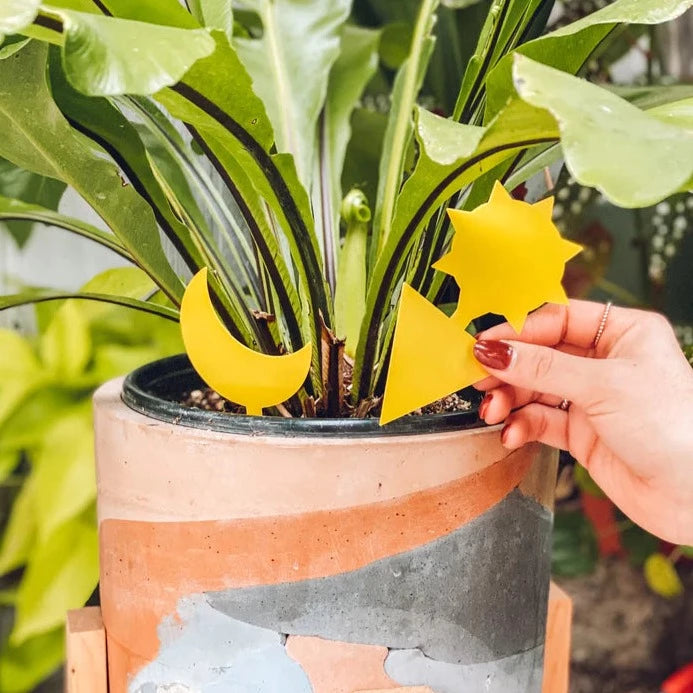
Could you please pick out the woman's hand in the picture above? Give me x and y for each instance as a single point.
(630, 422)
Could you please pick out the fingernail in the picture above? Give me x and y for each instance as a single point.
(484, 406)
(498, 355)
(504, 434)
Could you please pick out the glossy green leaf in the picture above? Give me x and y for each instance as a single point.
(458, 4)
(65, 154)
(298, 39)
(165, 12)
(65, 347)
(60, 575)
(214, 14)
(661, 576)
(105, 56)
(634, 158)
(11, 45)
(507, 24)
(400, 125)
(574, 550)
(102, 121)
(23, 667)
(26, 187)
(650, 96)
(13, 210)
(227, 251)
(687, 551)
(356, 64)
(678, 113)
(216, 98)
(287, 304)
(63, 476)
(14, 300)
(450, 156)
(569, 48)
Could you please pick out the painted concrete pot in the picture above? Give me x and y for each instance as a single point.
(301, 556)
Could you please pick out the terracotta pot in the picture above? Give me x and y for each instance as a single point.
(295, 555)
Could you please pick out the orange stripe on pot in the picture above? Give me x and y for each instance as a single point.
(146, 567)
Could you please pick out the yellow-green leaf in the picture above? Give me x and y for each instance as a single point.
(17, 357)
(661, 576)
(18, 537)
(65, 346)
(23, 667)
(8, 462)
(61, 574)
(64, 476)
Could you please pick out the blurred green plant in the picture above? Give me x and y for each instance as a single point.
(574, 551)
(48, 550)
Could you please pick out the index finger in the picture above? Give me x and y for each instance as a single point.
(553, 324)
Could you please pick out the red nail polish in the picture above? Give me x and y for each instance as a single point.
(493, 354)
(504, 434)
(484, 405)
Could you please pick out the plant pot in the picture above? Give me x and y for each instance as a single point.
(265, 554)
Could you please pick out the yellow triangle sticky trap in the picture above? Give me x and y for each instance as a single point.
(240, 374)
(431, 358)
(507, 257)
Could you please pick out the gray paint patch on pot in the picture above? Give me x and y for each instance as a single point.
(207, 652)
(475, 595)
(520, 672)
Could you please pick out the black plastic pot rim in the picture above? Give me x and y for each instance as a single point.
(154, 389)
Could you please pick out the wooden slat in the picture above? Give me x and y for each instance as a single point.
(557, 652)
(85, 669)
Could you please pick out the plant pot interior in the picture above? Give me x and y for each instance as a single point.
(157, 388)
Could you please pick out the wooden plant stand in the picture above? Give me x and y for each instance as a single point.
(85, 670)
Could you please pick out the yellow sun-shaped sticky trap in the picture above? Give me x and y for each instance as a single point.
(507, 257)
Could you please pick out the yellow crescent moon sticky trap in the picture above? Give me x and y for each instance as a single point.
(507, 257)
(236, 372)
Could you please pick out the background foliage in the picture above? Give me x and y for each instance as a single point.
(48, 549)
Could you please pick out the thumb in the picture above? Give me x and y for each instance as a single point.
(541, 369)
